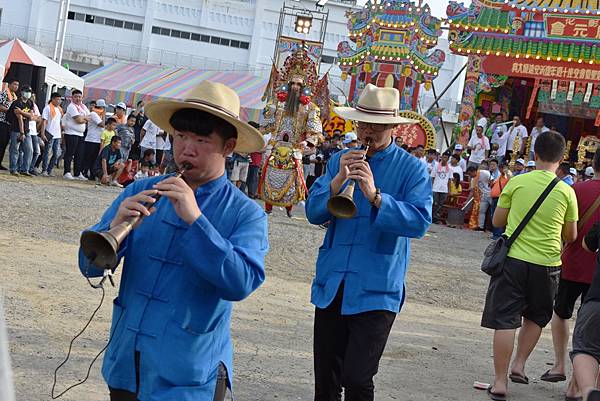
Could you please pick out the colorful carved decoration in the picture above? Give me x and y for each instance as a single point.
(585, 150)
(468, 100)
(392, 43)
(420, 133)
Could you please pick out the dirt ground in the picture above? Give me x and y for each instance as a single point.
(435, 352)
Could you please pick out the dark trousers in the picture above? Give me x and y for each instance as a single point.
(72, 154)
(439, 198)
(122, 395)
(347, 350)
(90, 154)
(252, 180)
(4, 139)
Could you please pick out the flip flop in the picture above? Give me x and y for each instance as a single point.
(573, 398)
(496, 396)
(518, 378)
(553, 377)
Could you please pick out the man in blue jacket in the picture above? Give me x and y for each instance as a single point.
(359, 283)
(197, 249)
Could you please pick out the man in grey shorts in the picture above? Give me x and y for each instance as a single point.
(586, 337)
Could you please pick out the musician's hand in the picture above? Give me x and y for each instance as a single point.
(347, 159)
(361, 172)
(182, 197)
(134, 207)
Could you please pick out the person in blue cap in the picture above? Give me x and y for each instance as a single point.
(359, 284)
(198, 249)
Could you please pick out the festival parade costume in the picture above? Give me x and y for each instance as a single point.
(282, 182)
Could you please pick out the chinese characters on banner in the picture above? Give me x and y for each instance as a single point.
(580, 27)
(541, 69)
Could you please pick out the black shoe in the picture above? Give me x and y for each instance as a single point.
(268, 211)
(33, 172)
(14, 173)
(25, 173)
(289, 213)
(2, 168)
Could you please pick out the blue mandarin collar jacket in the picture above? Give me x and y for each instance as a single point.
(370, 251)
(177, 287)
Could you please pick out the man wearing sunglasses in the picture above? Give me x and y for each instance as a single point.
(359, 284)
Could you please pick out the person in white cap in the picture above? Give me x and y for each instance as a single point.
(120, 114)
(530, 166)
(350, 140)
(564, 173)
(573, 173)
(519, 167)
(359, 282)
(589, 173)
(462, 162)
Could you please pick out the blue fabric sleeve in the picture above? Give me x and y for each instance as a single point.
(411, 216)
(235, 266)
(320, 192)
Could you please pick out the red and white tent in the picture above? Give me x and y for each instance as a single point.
(17, 51)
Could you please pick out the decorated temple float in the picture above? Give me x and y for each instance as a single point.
(392, 46)
(532, 58)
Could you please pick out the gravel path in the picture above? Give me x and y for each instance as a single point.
(435, 352)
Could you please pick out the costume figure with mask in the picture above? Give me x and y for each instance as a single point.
(290, 119)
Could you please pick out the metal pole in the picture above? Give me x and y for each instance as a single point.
(61, 30)
(446, 89)
(441, 117)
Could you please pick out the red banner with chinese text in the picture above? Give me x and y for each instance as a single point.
(540, 69)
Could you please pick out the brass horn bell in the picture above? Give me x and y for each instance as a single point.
(101, 247)
(342, 205)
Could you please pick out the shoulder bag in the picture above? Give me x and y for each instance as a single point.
(496, 252)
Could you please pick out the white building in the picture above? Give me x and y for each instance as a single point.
(206, 34)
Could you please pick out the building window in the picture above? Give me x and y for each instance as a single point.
(109, 21)
(174, 33)
(534, 29)
(71, 15)
(94, 19)
(138, 27)
(128, 25)
(99, 20)
(89, 18)
(328, 59)
(118, 23)
(79, 17)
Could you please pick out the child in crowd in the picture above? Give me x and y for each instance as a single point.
(455, 189)
(144, 171)
(109, 132)
(127, 135)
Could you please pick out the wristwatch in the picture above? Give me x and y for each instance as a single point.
(376, 197)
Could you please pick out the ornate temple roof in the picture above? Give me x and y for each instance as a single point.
(395, 32)
(528, 29)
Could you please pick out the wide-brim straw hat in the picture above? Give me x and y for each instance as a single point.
(377, 106)
(216, 99)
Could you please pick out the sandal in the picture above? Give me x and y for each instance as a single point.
(518, 378)
(553, 377)
(495, 396)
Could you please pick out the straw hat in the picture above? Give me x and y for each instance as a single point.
(376, 105)
(216, 99)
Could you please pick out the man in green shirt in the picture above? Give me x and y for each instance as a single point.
(522, 295)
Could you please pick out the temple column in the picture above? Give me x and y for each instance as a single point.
(467, 106)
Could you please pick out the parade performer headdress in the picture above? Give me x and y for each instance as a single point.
(216, 99)
(300, 65)
(376, 105)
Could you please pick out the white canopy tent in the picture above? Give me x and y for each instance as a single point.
(17, 51)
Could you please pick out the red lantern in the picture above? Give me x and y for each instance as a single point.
(304, 99)
(282, 96)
